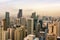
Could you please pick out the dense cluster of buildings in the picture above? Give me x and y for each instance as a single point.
(29, 28)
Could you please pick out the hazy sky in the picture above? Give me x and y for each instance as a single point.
(42, 7)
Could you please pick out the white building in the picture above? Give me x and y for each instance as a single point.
(30, 37)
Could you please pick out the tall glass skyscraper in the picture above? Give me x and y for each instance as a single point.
(19, 13)
(35, 17)
(7, 18)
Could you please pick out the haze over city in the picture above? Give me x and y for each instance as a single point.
(29, 19)
(42, 7)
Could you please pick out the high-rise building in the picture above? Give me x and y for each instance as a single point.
(30, 26)
(5, 35)
(37, 29)
(19, 13)
(17, 35)
(20, 33)
(41, 22)
(58, 29)
(18, 23)
(35, 18)
(33, 15)
(11, 33)
(7, 18)
(46, 31)
(23, 21)
(1, 29)
(52, 27)
(4, 24)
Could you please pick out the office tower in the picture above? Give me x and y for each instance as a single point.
(58, 29)
(37, 29)
(35, 18)
(17, 22)
(11, 33)
(23, 21)
(20, 33)
(29, 26)
(46, 31)
(52, 27)
(33, 15)
(7, 18)
(12, 22)
(16, 35)
(1, 29)
(47, 26)
(55, 29)
(35, 22)
(41, 22)
(30, 37)
(4, 35)
(19, 13)
(4, 24)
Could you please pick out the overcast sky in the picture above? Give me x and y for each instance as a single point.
(46, 7)
(29, 3)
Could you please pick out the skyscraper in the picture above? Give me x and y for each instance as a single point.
(4, 24)
(5, 35)
(19, 13)
(11, 33)
(58, 29)
(23, 21)
(33, 15)
(52, 27)
(7, 18)
(41, 22)
(35, 18)
(1, 29)
(20, 33)
(30, 26)
(37, 29)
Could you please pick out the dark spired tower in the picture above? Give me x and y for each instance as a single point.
(19, 13)
(7, 19)
(35, 17)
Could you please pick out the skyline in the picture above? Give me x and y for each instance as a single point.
(42, 7)
(29, 19)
